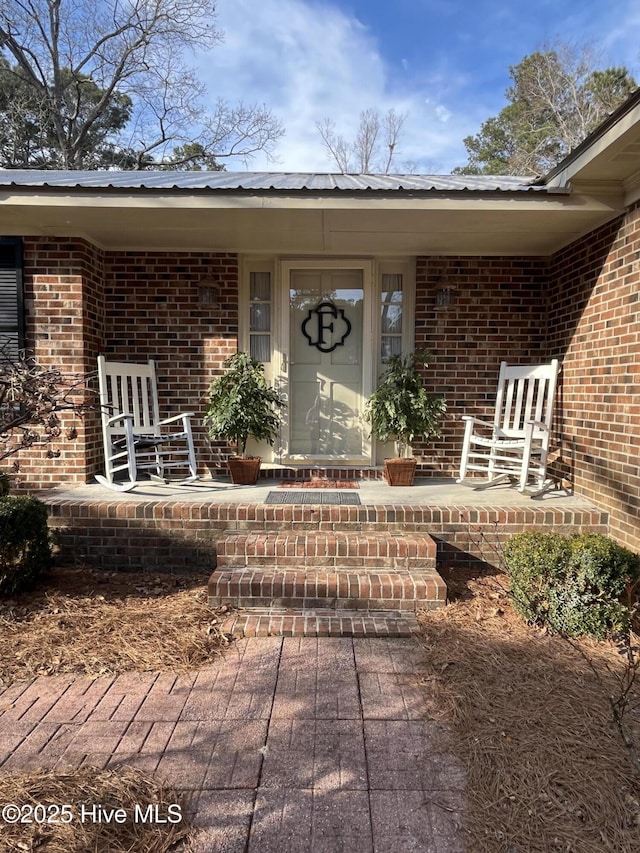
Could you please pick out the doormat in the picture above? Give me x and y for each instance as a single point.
(318, 483)
(310, 496)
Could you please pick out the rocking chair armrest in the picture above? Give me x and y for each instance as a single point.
(473, 419)
(538, 424)
(175, 418)
(123, 416)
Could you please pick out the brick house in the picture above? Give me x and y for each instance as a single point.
(187, 267)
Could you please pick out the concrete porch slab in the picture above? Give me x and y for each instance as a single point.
(426, 491)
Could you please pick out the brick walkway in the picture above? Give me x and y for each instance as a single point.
(288, 745)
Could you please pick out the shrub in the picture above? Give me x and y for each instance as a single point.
(400, 408)
(242, 404)
(25, 549)
(573, 585)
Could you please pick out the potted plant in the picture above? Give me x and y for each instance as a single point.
(400, 409)
(241, 404)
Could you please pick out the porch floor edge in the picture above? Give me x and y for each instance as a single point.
(174, 528)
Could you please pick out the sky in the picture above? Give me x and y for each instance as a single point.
(445, 63)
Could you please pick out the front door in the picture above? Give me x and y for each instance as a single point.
(327, 365)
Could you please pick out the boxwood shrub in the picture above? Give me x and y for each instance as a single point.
(573, 585)
(25, 547)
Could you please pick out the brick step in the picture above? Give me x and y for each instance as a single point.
(339, 590)
(282, 622)
(327, 550)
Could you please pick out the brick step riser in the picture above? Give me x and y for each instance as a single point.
(295, 475)
(320, 624)
(305, 589)
(381, 605)
(305, 585)
(346, 550)
(326, 561)
(345, 583)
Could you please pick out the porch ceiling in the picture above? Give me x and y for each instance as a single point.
(310, 223)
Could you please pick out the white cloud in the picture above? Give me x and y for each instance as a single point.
(310, 60)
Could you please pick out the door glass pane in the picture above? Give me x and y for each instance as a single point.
(260, 347)
(260, 287)
(260, 316)
(392, 287)
(326, 363)
(390, 345)
(391, 316)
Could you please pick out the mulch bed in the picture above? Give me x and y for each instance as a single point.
(89, 622)
(546, 769)
(155, 828)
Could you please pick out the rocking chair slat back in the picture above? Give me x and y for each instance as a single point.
(524, 394)
(135, 438)
(517, 443)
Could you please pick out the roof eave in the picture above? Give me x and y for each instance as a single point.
(613, 126)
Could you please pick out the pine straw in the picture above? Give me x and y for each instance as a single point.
(117, 788)
(546, 769)
(91, 623)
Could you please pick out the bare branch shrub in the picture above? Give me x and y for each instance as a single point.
(32, 399)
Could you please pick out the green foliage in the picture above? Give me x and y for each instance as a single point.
(30, 132)
(25, 549)
(556, 100)
(573, 585)
(400, 408)
(241, 404)
(192, 157)
(5, 484)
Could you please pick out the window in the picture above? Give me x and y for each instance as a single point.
(391, 320)
(11, 295)
(260, 304)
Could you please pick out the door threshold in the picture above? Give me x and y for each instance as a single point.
(325, 471)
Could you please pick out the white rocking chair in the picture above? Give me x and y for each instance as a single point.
(516, 445)
(135, 439)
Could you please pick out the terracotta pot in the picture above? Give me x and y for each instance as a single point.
(244, 470)
(400, 472)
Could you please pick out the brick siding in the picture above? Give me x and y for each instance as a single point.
(594, 327)
(154, 310)
(497, 313)
(81, 302)
(64, 306)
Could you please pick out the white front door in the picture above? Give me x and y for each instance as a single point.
(328, 363)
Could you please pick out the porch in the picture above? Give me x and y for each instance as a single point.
(346, 561)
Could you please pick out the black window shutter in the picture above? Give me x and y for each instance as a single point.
(12, 335)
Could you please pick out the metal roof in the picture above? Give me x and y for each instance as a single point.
(264, 181)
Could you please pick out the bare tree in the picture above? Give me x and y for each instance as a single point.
(337, 147)
(373, 147)
(557, 98)
(32, 398)
(111, 73)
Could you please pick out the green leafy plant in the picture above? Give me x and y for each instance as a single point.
(574, 585)
(25, 548)
(242, 404)
(400, 408)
